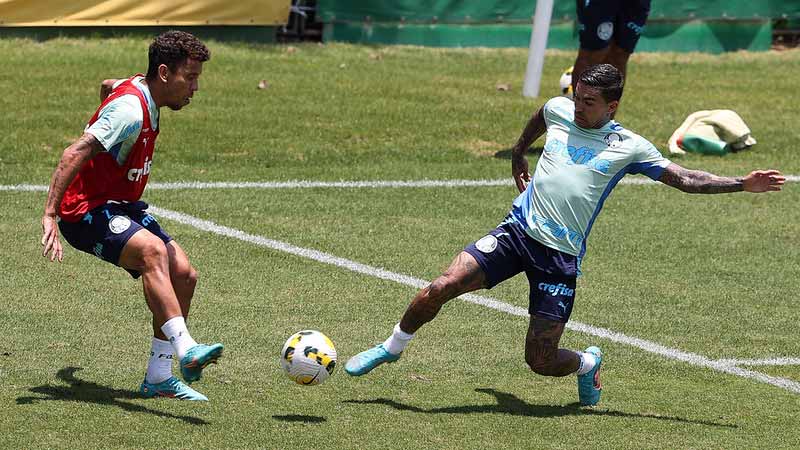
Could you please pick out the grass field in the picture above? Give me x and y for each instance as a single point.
(706, 277)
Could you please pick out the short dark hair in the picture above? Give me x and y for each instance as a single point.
(606, 78)
(173, 48)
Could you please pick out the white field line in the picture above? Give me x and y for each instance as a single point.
(301, 184)
(761, 362)
(649, 346)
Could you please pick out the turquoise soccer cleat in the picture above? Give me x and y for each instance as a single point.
(364, 362)
(172, 388)
(589, 386)
(197, 358)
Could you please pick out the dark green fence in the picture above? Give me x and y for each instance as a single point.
(710, 26)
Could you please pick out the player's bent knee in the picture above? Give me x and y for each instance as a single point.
(190, 278)
(154, 253)
(441, 289)
(185, 275)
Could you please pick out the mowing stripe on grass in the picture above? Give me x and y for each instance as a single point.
(724, 366)
(301, 184)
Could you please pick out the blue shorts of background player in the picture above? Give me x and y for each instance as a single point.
(608, 31)
(104, 231)
(508, 250)
(605, 22)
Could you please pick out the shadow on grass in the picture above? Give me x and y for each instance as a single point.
(506, 153)
(88, 392)
(300, 418)
(510, 404)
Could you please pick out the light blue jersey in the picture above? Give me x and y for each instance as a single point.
(577, 170)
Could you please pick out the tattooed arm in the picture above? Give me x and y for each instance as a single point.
(73, 158)
(699, 182)
(519, 164)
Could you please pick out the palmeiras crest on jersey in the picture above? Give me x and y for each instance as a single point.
(119, 224)
(486, 244)
(613, 140)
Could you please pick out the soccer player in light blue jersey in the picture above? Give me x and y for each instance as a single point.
(585, 155)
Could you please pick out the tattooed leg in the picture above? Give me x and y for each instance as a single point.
(464, 275)
(541, 349)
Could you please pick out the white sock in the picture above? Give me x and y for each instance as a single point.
(588, 362)
(159, 366)
(398, 341)
(178, 335)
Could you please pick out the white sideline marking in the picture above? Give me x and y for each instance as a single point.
(23, 187)
(649, 346)
(761, 362)
(301, 184)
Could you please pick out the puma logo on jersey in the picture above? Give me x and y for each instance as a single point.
(136, 174)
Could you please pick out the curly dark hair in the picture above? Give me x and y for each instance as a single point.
(606, 78)
(173, 48)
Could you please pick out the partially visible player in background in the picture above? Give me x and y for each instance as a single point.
(608, 31)
(94, 201)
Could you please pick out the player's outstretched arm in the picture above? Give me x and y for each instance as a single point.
(106, 87)
(519, 164)
(73, 158)
(699, 182)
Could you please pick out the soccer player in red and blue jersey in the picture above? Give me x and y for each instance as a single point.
(94, 202)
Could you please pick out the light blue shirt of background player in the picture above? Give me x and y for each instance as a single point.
(575, 174)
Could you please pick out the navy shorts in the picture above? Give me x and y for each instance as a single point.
(508, 250)
(105, 230)
(600, 21)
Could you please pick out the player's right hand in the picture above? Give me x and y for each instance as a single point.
(519, 171)
(763, 181)
(50, 240)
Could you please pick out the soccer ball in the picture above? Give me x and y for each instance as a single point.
(565, 83)
(308, 357)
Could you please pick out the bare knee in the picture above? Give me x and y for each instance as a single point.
(618, 57)
(431, 299)
(442, 289)
(437, 288)
(187, 277)
(154, 255)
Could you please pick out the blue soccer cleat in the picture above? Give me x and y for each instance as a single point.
(589, 387)
(197, 358)
(172, 388)
(364, 362)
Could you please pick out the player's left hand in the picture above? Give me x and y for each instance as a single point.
(763, 181)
